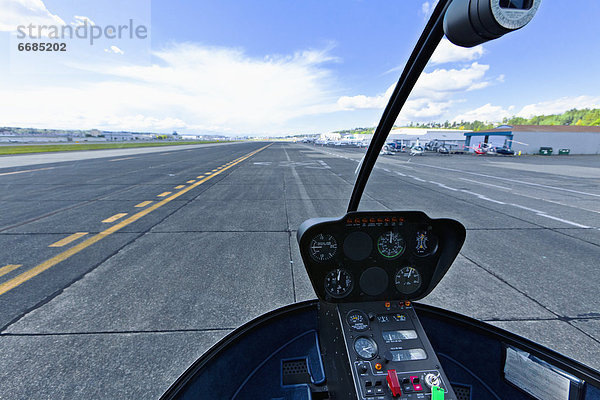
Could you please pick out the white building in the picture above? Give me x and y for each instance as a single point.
(528, 139)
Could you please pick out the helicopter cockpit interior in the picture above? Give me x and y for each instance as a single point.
(365, 337)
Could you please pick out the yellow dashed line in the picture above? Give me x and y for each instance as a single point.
(164, 194)
(122, 159)
(38, 269)
(9, 268)
(214, 170)
(68, 239)
(179, 186)
(114, 218)
(28, 170)
(143, 204)
(191, 181)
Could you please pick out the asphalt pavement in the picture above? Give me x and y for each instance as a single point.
(116, 273)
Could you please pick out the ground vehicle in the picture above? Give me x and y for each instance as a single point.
(505, 151)
(362, 338)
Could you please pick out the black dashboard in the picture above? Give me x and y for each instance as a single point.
(378, 255)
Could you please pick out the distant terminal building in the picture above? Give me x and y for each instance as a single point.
(528, 139)
(454, 139)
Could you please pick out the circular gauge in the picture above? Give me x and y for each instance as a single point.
(425, 243)
(338, 283)
(323, 247)
(358, 320)
(365, 347)
(391, 245)
(408, 280)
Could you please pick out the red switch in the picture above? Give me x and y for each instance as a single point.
(392, 380)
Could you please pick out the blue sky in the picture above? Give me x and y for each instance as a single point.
(283, 66)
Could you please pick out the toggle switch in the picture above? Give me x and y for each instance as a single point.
(392, 380)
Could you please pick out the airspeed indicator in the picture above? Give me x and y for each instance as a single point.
(323, 247)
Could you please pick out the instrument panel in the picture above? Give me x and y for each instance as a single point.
(378, 255)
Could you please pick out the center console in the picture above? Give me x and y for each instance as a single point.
(385, 352)
(367, 268)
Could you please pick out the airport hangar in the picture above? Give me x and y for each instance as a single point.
(528, 139)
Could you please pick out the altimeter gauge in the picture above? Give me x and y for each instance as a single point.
(338, 283)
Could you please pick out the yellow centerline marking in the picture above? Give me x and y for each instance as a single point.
(38, 269)
(121, 159)
(179, 186)
(69, 239)
(9, 268)
(27, 170)
(164, 194)
(191, 181)
(114, 218)
(143, 204)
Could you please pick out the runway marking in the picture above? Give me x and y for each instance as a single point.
(444, 186)
(400, 173)
(114, 218)
(386, 170)
(143, 204)
(9, 268)
(179, 187)
(513, 180)
(563, 220)
(527, 208)
(418, 179)
(27, 170)
(38, 269)
(190, 181)
(485, 184)
(214, 170)
(121, 159)
(68, 239)
(163, 194)
(482, 197)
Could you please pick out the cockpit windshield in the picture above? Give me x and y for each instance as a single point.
(157, 159)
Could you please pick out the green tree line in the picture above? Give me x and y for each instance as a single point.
(583, 117)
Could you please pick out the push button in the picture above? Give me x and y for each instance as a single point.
(369, 392)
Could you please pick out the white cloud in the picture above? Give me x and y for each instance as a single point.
(427, 7)
(192, 88)
(81, 21)
(485, 113)
(494, 113)
(447, 52)
(432, 95)
(115, 50)
(559, 105)
(25, 12)
(440, 82)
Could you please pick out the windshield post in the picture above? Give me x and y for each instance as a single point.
(428, 42)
